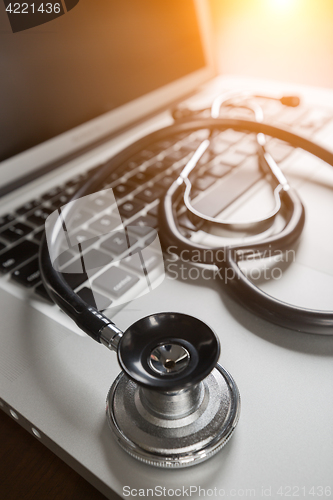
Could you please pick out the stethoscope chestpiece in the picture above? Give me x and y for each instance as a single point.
(173, 405)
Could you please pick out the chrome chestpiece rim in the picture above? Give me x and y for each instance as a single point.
(149, 346)
(176, 407)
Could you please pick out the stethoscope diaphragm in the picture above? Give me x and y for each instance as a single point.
(175, 406)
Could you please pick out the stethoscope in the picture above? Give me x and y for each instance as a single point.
(173, 405)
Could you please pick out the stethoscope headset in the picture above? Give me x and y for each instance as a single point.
(173, 405)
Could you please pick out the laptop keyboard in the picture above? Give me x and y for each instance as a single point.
(230, 167)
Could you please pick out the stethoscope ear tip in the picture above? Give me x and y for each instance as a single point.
(290, 100)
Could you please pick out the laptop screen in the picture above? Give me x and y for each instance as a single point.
(95, 58)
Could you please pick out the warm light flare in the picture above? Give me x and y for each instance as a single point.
(284, 6)
(288, 40)
(281, 3)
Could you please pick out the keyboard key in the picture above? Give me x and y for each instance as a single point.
(158, 167)
(151, 194)
(16, 232)
(52, 193)
(39, 216)
(204, 183)
(231, 158)
(231, 136)
(113, 177)
(226, 192)
(63, 259)
(131, 165)
(119, 242)
(130, 208)
(6, 219)
(2, 246)
(146, 154)
(156, 148)
(218, 146)
(104, 224)
(141, 177)
(74, 279)
(146, 261)
(95, 259)
(178, 170)
(84, 237)
(143, 225)
(151, 238)
(166, 182)
(41, 291)
(60, 200)
(177, 155)
(291, 116)
(17, 255)
(78, 218)
(27, 207)
(98, 204)
(167, 143)
(139, 159)
(153, 212)
(116, 281)
(190, 147)
(38, 235)
(279, 150)
(206, 158)
(70, 190)
(315, 119)
(77, 180)
(270, 108)
(28, 275)
(94, 299)
(122, 190)
(218, 170)
(247, 147)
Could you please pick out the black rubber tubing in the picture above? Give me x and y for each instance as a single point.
(286, 315)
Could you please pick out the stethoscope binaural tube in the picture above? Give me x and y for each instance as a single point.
(95, 324)
(242, 289)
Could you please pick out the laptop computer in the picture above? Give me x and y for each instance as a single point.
(76, 91)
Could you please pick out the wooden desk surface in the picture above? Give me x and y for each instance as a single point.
(30, 471)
